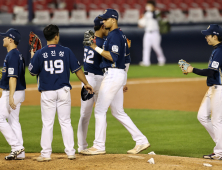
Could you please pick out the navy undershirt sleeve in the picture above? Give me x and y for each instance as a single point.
(204, 72)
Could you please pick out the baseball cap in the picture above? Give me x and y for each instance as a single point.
(98, 21)
(109, 13)
(12, 33)
(213, 29)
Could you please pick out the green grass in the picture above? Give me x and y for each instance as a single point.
(169, 132)
(136, 71)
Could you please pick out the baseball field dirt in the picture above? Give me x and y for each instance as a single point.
(161, 94)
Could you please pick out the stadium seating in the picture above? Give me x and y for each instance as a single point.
(41, 17)
(78, 17)
(60, 17)
(21, 18)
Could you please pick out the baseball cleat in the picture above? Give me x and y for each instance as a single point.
(138, 148)
(42, 159)
(216, 157)
(13, 154)
(92, 151)
(208, 156)
(71, 157)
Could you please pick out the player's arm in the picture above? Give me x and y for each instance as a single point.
(201, 72)
(105, 54)
(34, 64)
(81, 76)
(12, 87)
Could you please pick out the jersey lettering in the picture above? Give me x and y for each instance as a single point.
(58, 64)
(88, 55)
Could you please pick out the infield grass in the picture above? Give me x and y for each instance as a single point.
(136, 71)
(169, 132)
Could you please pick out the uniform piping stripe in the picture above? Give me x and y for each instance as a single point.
(220, 76)
(132, 82)
(76, 69)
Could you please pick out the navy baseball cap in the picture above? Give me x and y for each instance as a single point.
(213, 29)
(98, 21)
(12, 33)
(109, 13)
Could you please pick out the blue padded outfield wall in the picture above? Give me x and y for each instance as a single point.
(183, 42)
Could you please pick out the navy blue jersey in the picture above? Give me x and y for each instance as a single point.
(215, 63)
(14, 66)
(117, 45)
(92, 59)
(53, 64)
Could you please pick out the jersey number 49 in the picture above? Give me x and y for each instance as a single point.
(57, 64)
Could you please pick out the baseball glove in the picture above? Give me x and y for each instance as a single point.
(85, 95)
(0, 74)
(183, 66)
(128, 42)
(89, 38)
(34, 42)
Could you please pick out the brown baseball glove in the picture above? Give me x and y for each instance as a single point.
(183, 66)
(128, 42)
(34, 42)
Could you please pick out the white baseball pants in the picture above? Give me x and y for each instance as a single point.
(11, 130)
(60, 101)
(111, 94)
(152, 40)
(86, 110)
(210, 115)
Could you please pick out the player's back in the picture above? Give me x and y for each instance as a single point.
(54, 63)
(92, 59)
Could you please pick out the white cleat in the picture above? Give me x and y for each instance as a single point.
(143, 64)
(92, 151)
(71, 157)
(138, 148)
(43, 159)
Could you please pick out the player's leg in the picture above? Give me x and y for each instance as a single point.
(118, 112)
(216, 107)
(48, 110)
(146, 49)
(13, 119)
(5, 128)
(204, 114)
(156, 44)
(64, 111)
(85, 114)
(112, 82)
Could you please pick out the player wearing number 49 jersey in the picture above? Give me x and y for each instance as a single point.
(53, 64)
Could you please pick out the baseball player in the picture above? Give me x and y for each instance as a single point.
(115, 51)
(211, 105)
(152, 37)
(94, 75)
(13, 94)
(53, 64)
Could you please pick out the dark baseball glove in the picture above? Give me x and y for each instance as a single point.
(183, 66)
(89, 38)
(34, 42)
(85, 95)
(0, 74)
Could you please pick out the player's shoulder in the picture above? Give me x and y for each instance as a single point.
(115, 34)
(13, 53)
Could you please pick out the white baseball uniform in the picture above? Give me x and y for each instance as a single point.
(151, 39)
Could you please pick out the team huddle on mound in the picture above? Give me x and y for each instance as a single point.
(106, 63)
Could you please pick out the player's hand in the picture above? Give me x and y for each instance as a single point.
(125, 88)
(89, 88)
(11, 102)
(32, 53)
(190, 69)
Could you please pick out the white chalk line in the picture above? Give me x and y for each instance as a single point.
(142, 82)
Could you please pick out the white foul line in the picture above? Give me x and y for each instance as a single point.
(143, 82)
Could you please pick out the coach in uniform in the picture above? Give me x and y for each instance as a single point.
(211, 105)
(114, 51)
(53, 64)
(13, 85)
